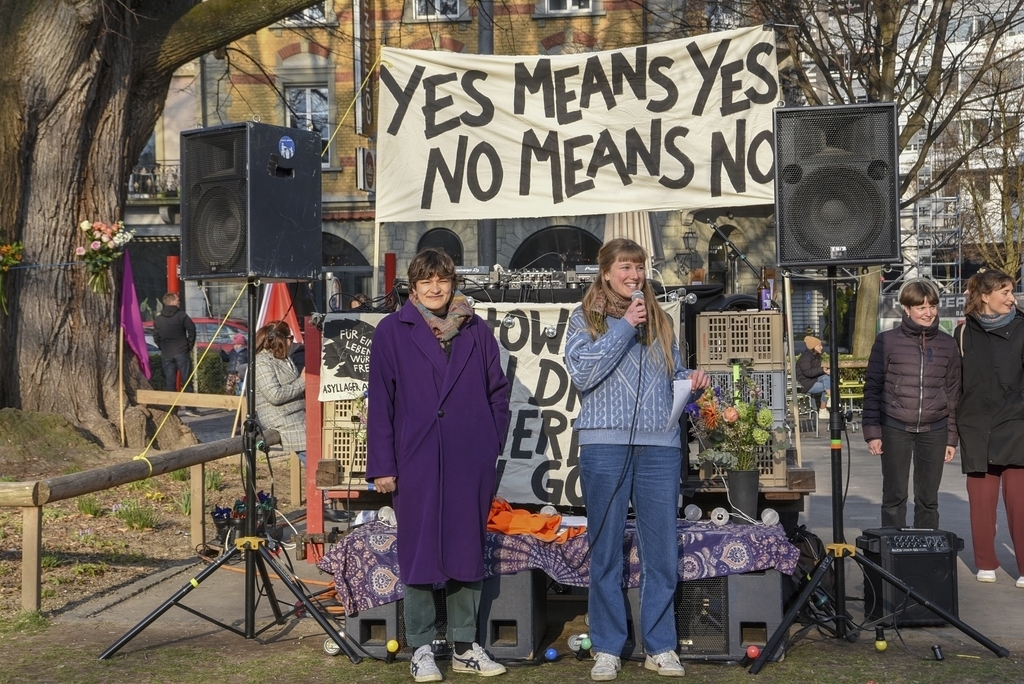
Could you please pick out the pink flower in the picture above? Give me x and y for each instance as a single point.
(79, 251)
(95, 244)
(730, 415)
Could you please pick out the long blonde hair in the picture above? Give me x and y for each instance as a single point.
(659, 325)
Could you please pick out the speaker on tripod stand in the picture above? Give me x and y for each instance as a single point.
(250, 211)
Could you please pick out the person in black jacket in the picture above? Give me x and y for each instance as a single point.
(991, 415)
(175, 334)
(911, 391)
(812, 376)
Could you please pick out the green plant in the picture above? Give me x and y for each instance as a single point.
(179, 475)
(51, 560)
(184, 502)
(211, 375)
(90, 569)
(140, 485)
(136, 516)
(732, 426)
(7, 478)
(213, 481)
(88, 505)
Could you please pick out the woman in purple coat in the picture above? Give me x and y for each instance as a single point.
(437, 423)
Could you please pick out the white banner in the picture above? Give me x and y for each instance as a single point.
(681, 124)
(540, 461)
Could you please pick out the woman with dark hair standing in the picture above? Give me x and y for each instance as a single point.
(911, 391)
(991, 415)
(438, 415)
(622, 357)
(280, 388)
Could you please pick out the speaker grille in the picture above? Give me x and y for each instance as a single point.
(702, 616)
(837, 185)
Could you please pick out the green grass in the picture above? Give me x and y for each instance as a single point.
(25, 622)
(214, 481)
(136, 516)
(184, 502)
(50, 559)
(90, 569)
(89, 505)
(179, 475)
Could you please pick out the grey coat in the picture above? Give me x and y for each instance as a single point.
(280, 400)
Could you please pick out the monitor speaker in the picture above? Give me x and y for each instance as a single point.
(924, 560)
(250, 203)
(837, 185)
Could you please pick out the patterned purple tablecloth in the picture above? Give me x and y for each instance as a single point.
(365, 564)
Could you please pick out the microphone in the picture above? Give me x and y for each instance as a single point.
(641, 330)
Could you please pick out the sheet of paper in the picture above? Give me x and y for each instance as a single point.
(681, 395)
(574, 521)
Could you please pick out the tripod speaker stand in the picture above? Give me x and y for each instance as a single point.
(839, 549)
(252, 548)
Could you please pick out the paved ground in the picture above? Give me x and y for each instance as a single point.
(994, 610)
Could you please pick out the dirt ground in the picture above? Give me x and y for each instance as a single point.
(88, 550)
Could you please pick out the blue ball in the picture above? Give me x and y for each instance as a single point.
(551, 654)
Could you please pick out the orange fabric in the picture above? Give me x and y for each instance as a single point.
(507, 520)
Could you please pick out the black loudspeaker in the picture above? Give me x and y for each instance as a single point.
(250, 203)
(510, 626)
(837, 185)
(924, 560)
(718, 617)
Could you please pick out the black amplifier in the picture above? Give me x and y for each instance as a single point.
(924, 560)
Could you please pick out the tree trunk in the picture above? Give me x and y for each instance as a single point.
(81, 89)
(869, 289)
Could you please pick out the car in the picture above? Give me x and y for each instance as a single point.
(206, 330)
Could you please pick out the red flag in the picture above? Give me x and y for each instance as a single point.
(131, 319)
(277, 306)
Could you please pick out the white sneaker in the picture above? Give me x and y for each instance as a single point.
(823, 414)
(987, 576)
(423, 667)
(606, 668)
(1020, 582)
(666, 664)
(477, 661)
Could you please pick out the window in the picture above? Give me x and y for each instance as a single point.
(445, 240)
(438, 9)
(307, 109)
(315, 14)
(558, 6)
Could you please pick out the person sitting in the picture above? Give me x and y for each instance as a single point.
(280, 388)
(812, 376)
(238, 364)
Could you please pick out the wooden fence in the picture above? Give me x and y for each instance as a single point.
(31, 496)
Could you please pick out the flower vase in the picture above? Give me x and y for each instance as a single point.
(743, 486)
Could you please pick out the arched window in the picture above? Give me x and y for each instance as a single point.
(722, 262)
(349, 273)
(444, 239)
(558, 248)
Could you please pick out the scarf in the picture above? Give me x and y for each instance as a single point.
(445, 327)
(613, 305)
(994, 321)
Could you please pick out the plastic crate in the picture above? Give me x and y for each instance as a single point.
(754, 337)
(771, 387)
(340, 413)
(345, 445)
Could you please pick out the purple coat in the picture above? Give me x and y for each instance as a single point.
(438, 426)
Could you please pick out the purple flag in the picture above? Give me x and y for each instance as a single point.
(131, 318)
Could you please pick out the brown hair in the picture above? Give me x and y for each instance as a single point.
(170, 298)
(659, 326)
(275, 337)
(983, 283)
(917, 291)
(429, 263)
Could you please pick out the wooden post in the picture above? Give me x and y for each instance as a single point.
(296, 481)
(197, 517)
(31, 557)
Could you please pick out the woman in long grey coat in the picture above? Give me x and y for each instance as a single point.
(280, 388)
(437, 417)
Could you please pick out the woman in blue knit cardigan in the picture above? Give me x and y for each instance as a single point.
(622, 357)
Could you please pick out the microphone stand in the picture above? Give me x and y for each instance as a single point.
(732, 245)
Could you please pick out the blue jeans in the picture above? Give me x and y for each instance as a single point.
(612, 475)
(822, 384)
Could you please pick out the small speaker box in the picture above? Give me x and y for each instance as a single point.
(924, 560)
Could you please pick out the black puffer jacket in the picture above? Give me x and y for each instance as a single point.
(991, 411)
(808, 369)
(912, 381)
(174, 332)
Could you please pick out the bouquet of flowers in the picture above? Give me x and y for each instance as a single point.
(11, 255)
(106, 244)
(732, 426)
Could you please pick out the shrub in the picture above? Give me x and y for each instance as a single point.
(136, 516)
(211, 376)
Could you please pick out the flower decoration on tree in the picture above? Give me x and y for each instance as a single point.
(11, 255)
(732, 427)
(106, 243)
(359, 417)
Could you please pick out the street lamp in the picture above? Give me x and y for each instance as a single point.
(685, 259)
